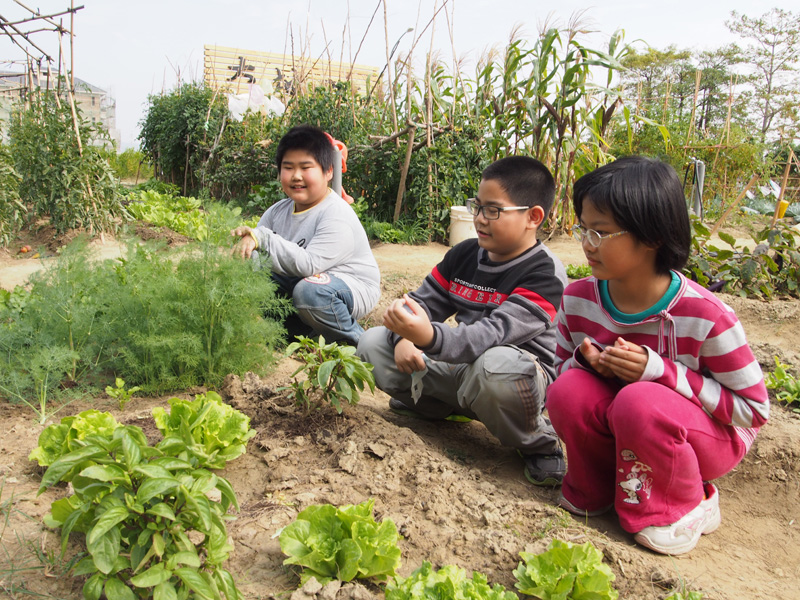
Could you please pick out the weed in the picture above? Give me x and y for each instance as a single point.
(120, 393)
(786, 385)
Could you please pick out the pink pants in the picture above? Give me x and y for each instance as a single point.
(641, 447)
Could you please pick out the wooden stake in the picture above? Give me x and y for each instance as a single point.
(785, 180)
(401, 189)
(733, 205)
(698, 74)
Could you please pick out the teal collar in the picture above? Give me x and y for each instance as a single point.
(627, 318)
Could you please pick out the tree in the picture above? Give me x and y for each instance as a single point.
(774, 53)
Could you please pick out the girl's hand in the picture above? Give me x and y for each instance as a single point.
(625, 360)
(592, 356)
(408, 357)
(408, 320)
(246, 244)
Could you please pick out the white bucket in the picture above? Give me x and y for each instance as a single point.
(461, 225)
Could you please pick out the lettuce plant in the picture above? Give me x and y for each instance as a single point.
(566, 572)
(341, 543)
(70, 433)
(205, 431)
(448, 583)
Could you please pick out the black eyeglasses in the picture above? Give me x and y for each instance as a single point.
(490, 213)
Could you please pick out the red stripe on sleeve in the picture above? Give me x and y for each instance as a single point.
(440, 279)
(539, 301)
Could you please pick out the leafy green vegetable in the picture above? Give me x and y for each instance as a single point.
(341, 543)
(137, 506)
(566, 571)
(211, 431)
(578, 271)
(57, 440)
(448, 583)
(786, 386)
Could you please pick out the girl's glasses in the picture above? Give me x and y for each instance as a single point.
(590, 235)
(490, 213)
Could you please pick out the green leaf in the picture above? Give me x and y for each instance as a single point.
(67, 462)
(226, 584)
(195, 582)
(116, 590)
(165, 591)
(188, 558)
(152, 577)
(107, 521)
(105, 550)
(93, 588)
(157, 486)
(162, 510)
(153, 471)
(106, 473)
(324, 372)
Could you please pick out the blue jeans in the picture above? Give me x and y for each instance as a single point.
(324, 305)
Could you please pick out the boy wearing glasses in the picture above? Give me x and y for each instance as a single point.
(504, 289)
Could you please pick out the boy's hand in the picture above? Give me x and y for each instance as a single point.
(625, 359)
(408, 320)
(246, 244)
(592, 356)
(408, 357)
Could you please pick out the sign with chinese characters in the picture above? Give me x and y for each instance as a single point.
(230, 70)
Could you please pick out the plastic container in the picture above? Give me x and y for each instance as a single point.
(782, 206)
(461, 225)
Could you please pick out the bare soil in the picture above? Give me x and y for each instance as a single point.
(456, 495)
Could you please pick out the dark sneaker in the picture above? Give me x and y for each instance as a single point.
(545, 469)
(396, 406)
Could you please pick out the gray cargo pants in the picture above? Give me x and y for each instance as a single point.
(504, 389)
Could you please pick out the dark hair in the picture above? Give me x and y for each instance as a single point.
(526, 181)
(645, 197)
(310, 139)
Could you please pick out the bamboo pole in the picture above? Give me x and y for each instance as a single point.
(733, 205)
(697, 75)
(71, 44)
(784, 182)
(401, 189)
(726, 130)
(429, 126)
(389, 79)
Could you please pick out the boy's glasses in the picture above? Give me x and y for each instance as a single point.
(590, 235)
(490, 213)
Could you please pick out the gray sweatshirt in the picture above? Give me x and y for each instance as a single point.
(327, 238)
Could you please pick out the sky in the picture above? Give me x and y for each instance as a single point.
(134, 49)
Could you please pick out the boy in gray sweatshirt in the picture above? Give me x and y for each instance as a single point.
(317, 247)
(504, 289)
